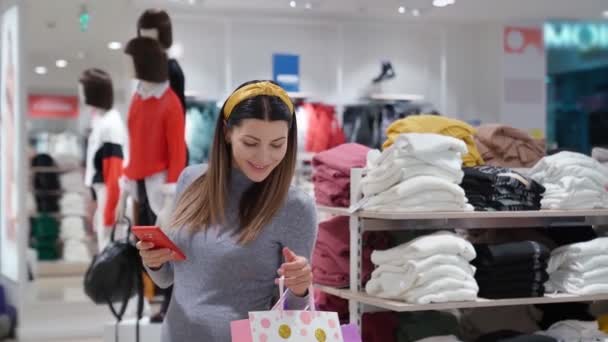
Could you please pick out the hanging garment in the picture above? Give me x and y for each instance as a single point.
(201, 118)
(362, 125)
(438, 125)
(324, 131)
(506, 146)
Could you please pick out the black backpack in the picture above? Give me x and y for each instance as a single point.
(115, 276)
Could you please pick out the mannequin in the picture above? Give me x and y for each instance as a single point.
(105, 151)
(156, 24)
(157, 147)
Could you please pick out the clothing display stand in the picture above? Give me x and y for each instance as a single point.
(362, 221)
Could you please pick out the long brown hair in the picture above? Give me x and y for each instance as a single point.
(204, 202)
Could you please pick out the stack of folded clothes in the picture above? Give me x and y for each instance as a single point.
(331, 255)
(418, 172)
(73, 235)
(331, 175)
(506, 146)
(437, 125)
(580, 268)
(511, 270)
(429, 269)
(491, 188)
(73, 204)
(572, 181)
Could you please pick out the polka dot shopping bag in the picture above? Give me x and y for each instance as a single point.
(278, 325)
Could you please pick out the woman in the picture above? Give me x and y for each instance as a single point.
(239, 222)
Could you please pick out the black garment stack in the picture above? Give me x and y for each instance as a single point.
(511, 270)
(491, 188)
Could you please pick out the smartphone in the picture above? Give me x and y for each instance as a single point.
(160, 240)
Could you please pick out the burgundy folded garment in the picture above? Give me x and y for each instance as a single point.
(332, 188)
(329, 303)
(327, 173)
(343, 158)
(380, 327)
(324, 198)
(331, 255)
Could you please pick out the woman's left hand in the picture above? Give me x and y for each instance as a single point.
(297, 273)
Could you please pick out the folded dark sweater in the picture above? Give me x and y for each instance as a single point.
(513, 336)
(506, 278)
(519, 267)
(501, 176)
(509, 253)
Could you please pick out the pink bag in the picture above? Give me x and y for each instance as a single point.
(278, 325)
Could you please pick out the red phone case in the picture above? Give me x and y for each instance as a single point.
(158, 238)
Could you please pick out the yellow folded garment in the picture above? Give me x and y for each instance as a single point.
(602, 323)
(438, 125)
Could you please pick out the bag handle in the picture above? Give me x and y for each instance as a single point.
(129, 225)
(280, 305)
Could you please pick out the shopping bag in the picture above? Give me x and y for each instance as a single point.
(350, 333)
(279, 325)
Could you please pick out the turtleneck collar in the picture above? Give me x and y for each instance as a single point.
(239, 182)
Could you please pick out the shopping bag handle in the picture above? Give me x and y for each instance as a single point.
(280, 305)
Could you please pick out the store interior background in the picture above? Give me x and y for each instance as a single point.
(454, 57)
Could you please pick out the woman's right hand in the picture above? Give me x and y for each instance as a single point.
(154, 258)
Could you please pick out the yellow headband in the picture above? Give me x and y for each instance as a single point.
(253, 90)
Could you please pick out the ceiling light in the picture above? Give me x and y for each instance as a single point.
(401, 9)
(416, 12)
(192, 2)
(40, 70)
(292, 4)
(80, 55)
(114, 45)
(605, 14)
(308, 5)
(443, 3)
(61, 63)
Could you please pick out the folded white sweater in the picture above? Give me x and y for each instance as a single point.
(73, 228)
(459, 295)
(395, 285)
(572, 253)
(420, 294)
(428, 201)
(571, 330)
(550, 169)
(395, 171)
(413, 187)
(567, 286)
(581, 278)
(427, 144)
(583, 264)
(425, 246)
(413, 267)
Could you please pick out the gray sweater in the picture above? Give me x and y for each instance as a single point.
(222, 281)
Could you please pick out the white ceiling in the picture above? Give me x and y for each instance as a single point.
(52, 29)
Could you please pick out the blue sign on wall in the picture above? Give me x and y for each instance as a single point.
(576, 35)
(286, 71)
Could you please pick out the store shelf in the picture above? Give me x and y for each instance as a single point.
(333, 210)
(387, 220)
(398, 306)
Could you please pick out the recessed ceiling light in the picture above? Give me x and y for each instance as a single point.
(416, 12)
(80, 55)
(192, 2)
(61, 63)
(401, 9)
(292, 4)
(605, 14)
(443, 3)
(40, 70)
(114, 45)
(308, 5)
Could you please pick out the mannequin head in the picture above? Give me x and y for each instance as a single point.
(156, 24)
(96, 89)
(149, 59)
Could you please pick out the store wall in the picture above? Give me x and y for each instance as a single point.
(339, 58)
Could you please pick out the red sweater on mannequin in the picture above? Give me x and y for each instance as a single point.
(157, 137)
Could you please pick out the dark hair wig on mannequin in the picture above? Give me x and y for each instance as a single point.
(98, 90)
(149, 58)
(159, 20)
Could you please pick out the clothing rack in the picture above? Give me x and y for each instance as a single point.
(365, 220)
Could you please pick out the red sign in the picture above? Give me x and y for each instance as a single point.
(52, 106)
(518, 39)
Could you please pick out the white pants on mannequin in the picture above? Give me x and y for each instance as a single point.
(102, 232)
